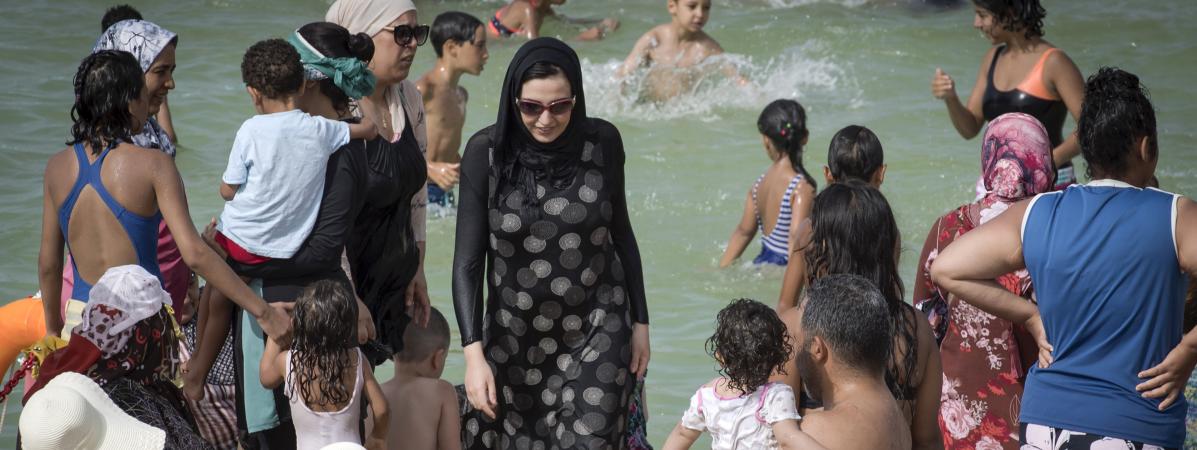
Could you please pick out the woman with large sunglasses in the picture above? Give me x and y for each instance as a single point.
(543, 221)
(386, 246)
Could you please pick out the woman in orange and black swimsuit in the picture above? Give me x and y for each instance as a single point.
(1021, 73)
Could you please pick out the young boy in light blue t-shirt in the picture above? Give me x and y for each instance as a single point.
(275, 176)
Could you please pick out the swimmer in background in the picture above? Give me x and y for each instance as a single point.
(524, 18)
(679, 44)
(1020, 73)
(459, 40)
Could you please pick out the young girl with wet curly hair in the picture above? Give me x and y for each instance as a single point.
(324, 372)
(741, 407)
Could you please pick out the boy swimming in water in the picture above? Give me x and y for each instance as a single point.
(524, 18)
(679, 44)
(459, 40)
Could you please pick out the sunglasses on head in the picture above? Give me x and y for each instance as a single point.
(535, 108)
(405, 34)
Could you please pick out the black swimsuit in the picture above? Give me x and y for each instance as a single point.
(1050, 112)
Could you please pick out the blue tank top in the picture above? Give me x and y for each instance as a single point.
(142, 231)
(1111, 294)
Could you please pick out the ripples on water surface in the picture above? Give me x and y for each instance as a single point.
(690, 161)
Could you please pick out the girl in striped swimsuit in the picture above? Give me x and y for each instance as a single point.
(783, 194)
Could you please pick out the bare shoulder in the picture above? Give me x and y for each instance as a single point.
(445, 391)
(59, 162)
(710, 45)
(425, 85)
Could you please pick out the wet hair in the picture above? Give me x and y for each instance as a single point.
(854, 153)
(784, 123)
(1115, 113)
(106, 82)
(325, 324)
(118, 13)
(750, 343)
(854, 232)
(420, 342)
(272, 67)
(334, 41)
(852, 316)
(1017, 15)
(453, 26)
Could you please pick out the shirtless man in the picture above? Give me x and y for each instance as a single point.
(843, 345)
(460, 43)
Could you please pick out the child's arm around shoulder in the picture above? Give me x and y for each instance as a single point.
(271, 371)
(363, 130)
(790, 436)
(377, 440)
(448, 429)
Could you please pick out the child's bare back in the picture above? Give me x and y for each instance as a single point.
(424, 414)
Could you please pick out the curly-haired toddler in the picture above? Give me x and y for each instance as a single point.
(741, 407)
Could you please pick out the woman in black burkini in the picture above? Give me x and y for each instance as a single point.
(365, 214)
(565, 334)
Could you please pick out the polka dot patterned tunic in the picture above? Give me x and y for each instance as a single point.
(565, 288)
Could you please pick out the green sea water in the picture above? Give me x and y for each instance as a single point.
(690, 161)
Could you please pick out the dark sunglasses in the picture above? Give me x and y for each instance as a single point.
(535, 108)
(405, 34)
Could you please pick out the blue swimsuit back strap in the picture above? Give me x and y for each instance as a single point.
(142, 231)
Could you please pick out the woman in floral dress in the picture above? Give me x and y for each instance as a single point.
(986, 359)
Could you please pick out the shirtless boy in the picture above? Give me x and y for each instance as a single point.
(679, 44)
(460, 43)
(524, 18)
(843, 345)
(424, 412)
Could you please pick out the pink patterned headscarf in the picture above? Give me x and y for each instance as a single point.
(1016, 159)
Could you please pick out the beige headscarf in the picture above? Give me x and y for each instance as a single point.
(403, 99)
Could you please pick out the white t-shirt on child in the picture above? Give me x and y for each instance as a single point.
(740, 422)
(279, 160)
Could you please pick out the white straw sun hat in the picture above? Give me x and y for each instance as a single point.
(73, 412)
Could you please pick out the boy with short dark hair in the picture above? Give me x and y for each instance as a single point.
(274, 180)
(424, 411)
(118, 13)
(459, 40)
(679, 44)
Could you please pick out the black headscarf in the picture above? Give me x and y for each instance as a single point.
(520, 160)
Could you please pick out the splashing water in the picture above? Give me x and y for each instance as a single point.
(722, 85)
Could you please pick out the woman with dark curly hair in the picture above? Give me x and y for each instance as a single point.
(741, 406)
(1021, 73)
(853, 232)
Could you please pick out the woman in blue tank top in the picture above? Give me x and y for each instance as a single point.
(108, 220)
(1108, 260)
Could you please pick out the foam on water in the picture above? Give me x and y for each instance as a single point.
(807, 72)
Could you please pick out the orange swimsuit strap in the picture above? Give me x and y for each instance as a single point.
(1033, 84)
